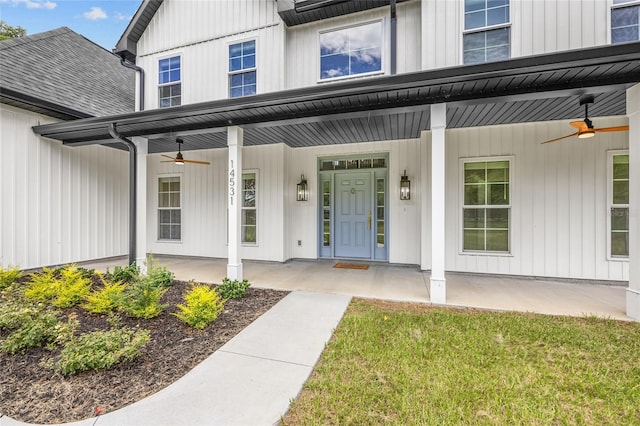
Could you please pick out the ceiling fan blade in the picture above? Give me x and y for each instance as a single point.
(166, 156)
(562, 137)
(613, 129)
(580, 125)
(196, 162)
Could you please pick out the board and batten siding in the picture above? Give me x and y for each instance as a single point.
(185, 28)
(403, 216)
(58, 204)
(303, 51)
(559, 200)
(204, 192)
(537, 27)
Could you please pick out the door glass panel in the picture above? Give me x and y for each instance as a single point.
(380, 213)
(326, 213)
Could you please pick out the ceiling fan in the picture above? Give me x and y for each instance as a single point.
(179, 160)
(585, 127)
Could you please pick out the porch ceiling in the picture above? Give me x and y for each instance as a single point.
(536, 88)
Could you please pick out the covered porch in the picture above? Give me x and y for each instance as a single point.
(408, 284)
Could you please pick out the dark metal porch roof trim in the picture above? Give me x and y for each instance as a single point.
(593, 70)
(297, 12)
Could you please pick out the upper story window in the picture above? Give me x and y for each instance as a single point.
(169, 82)
(242, 69)
(487, 34)
(625, 17)
(351, 51)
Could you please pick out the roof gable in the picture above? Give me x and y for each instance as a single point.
(62, 70)
(127, 45)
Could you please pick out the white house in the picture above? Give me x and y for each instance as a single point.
(362, 97)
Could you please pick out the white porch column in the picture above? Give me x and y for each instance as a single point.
(438, 286)
(142, 147)
(234, 141)
(633, 291)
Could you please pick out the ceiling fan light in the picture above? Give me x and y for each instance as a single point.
(587, 134)
(179, 159)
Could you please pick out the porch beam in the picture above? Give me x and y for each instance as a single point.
(633, 290)
(438, 284)
(235, 139)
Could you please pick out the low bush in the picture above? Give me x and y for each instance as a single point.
(64, 287)
(107, 299)
(159, 275)
(203, 305)
(101, 349)
(142, 299)
(233, 289)
(128, 274)
(27, 325)
(8, 276)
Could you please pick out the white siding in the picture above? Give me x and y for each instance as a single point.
(201, 31)
(559, 200)
(204, 203)
(58, 204)
(537, 26)
(303, 52)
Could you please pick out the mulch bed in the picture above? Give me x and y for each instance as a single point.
(32, 393)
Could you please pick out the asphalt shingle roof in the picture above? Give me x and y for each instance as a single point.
(63, 68)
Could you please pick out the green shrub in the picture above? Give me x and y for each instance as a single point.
(159, 275)
(101, 349)
(233, 289)
(142, 299)
(128, 274)
(43, 286)
(107, 299)
(73, 287)
(64, 287)
(8, 276)
(203, 305)
(28, 325)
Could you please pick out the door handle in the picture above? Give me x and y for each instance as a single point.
(369, 219)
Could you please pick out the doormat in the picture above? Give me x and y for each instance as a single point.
(362, 266)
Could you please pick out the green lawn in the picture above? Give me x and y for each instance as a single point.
(408, 364)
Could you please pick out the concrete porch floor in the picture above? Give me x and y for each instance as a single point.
(407, 283)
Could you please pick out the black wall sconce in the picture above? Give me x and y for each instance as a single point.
(405, 187)
(302, 189)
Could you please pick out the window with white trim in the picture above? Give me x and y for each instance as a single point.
(169, 82)
(169, 211)
(487, 32)
(351, 51)
(625, 21)
(242, 69)
(619, 205)
(249, 214)
(486, 207)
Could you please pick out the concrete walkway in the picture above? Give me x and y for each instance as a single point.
(251, 379)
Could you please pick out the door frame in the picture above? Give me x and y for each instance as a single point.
(377, 164)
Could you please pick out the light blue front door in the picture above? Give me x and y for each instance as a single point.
(353, 212)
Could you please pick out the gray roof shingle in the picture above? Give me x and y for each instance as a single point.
(63, 68)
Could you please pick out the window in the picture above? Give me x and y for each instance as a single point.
(169, 82)
(486, 206)
(380, 212)
(169, 213)
(351, 51)
(249, 213)
(242, 69)
(487, 34)
(625, 17)
(326, 213)
(619, 205)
